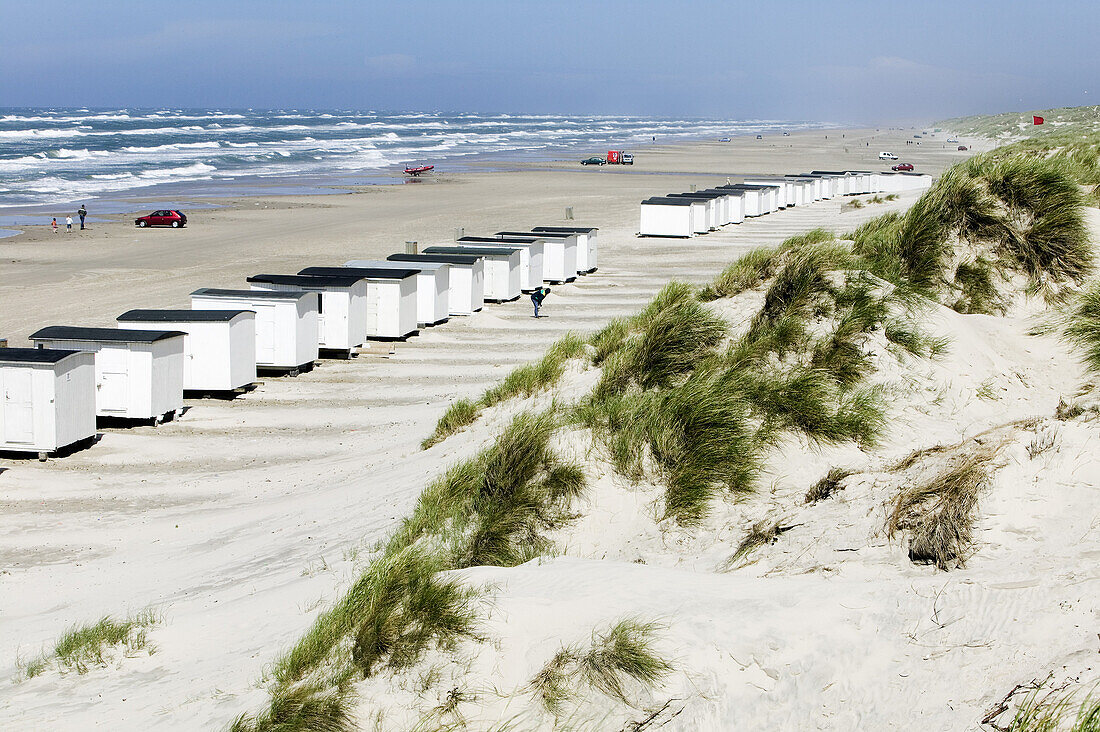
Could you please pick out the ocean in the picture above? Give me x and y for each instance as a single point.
(65, 156)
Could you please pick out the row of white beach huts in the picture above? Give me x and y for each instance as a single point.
(52, 394)
(698, 212)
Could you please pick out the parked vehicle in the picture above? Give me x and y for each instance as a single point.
(175, 219)
(626, 159)
(887, 156)
(619, 157)
(759, 137)
(962, 147)
(594, 160)
(902, 166)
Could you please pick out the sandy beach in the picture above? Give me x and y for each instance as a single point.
(242, 520)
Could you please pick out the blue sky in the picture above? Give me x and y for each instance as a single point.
(854, 61)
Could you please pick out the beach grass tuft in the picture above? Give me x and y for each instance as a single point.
(1052, 710)
(762, 533)
(829, 484)
(524, 381)
(621, 654)
(83, 647)
(1082, 326)
(461, 413)
(939, 513)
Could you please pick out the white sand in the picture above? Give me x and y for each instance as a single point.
(242, 520)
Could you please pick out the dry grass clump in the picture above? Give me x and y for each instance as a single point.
(829, 484)
(621, 654)
(759, 534)
(84, 647)
(939, 513)
(524, 381)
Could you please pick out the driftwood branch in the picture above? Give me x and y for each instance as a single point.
(653, 717)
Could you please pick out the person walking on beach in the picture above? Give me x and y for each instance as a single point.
(537, 297)
(82, 213)
(68, 224)
(54, 224)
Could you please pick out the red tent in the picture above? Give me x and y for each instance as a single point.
(1037, 120)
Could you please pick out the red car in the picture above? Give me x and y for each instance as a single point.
(902, 166)
(175, 219)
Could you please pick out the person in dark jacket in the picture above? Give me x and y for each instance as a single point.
(538, 296)
(82, 213)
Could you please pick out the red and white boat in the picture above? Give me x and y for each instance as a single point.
(415, 170)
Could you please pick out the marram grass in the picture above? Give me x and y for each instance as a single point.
(615, 658)
(524, 381)
(84, 647)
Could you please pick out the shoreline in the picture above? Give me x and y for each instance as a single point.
(312, 183)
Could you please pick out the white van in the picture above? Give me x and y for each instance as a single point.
(887, 156)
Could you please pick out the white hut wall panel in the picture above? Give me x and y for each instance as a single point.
(74, 400)
(286, 329)
(45, 406)
(133, 380)
(572, 257)
(666, 220)
(408, 289)
(391, 307)
(738, 215)
(699, 217)
(218, 356)
(341, 312)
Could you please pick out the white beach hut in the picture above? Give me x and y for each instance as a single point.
(341, 307)
(286, 324)
(388, 309)
(754, 198)
(47, 399)
(734, 202)
(433, 286)
(562, 249)
(846, 181)
(138, 373)
(702, 213)
(586, 244)
(532, 256)
(501, 268)
(219, 350)
(466, 295)
(669, 217)
(715, 206)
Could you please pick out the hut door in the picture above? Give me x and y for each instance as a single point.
(321, 316)
(17, 409)
(374, 305)
(265, 334)
(114, 379)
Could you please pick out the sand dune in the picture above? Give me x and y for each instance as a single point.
(242, 520)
